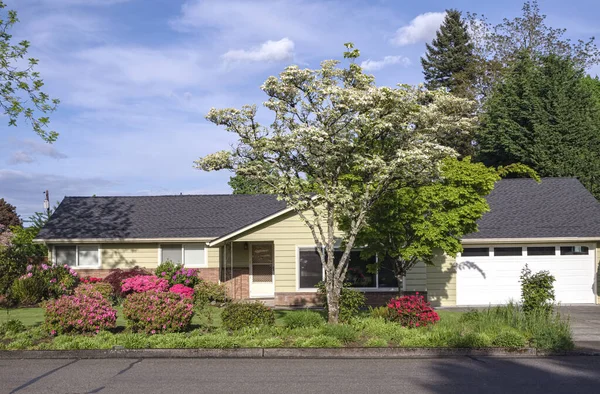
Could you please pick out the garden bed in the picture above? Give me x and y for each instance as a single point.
(506, 327)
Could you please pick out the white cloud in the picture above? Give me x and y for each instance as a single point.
(420, 29)
(30, 149)
(374, 65)
(20, 157)
(270, 51)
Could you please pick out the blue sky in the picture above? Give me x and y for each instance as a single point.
(136, 78)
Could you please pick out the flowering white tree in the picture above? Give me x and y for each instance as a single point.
(337, 143)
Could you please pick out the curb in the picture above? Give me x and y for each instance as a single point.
(289, 353)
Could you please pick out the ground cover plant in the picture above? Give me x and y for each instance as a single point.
(507, 326)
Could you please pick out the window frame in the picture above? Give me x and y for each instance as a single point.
(490, 252)
(522, 254)
(363, 289)
(99, 248)
(556, 248)
(560, 250)
(189, 265)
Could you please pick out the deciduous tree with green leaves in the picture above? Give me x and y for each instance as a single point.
(409, 225)
(448, 62)
(8, 214)
(337, 144)
(21, 86)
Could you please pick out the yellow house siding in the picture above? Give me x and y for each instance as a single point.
(416, 278)
(129, 255)
(213, 257)
(441, 281)
(287, 233)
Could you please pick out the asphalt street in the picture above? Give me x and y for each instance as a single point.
(451, 375)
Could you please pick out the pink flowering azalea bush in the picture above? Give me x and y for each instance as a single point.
(182, 290)
(154, 312)
(98, 287)
(80, 313)
(412, 311)
(143, 283)
(43, 281)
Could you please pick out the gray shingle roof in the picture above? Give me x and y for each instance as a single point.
(186, 216)
(556, 207)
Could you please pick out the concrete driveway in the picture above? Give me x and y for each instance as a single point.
(585, 323)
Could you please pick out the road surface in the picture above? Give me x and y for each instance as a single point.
(452, 375)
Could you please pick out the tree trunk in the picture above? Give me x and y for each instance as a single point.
(400, 279)
(333, 303)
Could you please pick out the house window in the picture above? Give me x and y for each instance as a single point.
(574, 250)
(77, 255)
(191, 255)
(475, 252)
(508, 251)
(541, 251)
(310, 271)
(310, 268)
(172, 252)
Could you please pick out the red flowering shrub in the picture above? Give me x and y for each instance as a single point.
(143, 283)
(88, 288)
(80, 313)
(153, 312)
(116, 277)
(182, 290)
(412, 311)
(90, 279)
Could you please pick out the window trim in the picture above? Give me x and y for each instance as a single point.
(205, 265)
(76, 266)
(560, 252)
(363, 289)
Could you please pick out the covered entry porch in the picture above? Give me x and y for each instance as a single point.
(248, 269)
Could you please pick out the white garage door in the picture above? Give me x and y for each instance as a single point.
(490, 275)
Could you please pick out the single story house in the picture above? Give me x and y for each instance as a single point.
(261, 249)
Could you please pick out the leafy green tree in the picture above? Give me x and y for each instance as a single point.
(8, 215)
(448, 61)
(244, 185)
(543, 115)
(409, 224)
(21, 92)
(496, 47)
(337, 144)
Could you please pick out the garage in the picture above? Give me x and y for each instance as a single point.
(489, 274)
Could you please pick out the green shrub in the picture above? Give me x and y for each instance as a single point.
(155, 312)
(206, 292)
(99, 287)
(351, 300)
(345, 333)
(236, 316)
(473, 340)
(12, 326)
(380, 312)
(21, 252)
(537, 290)
(470, 316)
(509, 339)
(177, 274)
(28, 290)
(304, 318)
(376, 342)
(319, 341)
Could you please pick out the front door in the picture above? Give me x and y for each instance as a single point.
(261, 270)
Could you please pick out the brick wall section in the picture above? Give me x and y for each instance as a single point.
(296, 299)
(96, 273)
(239, 286)
(209, 274)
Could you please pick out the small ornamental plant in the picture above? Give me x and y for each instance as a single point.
(177, 274)
(43, 281)
(182, 290)
(80, 313)
(61, 279)
(154, 312)
(143, 283)
(239, 315)
(412, 311)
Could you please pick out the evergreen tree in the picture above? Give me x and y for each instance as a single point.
(449, 58)
(544, 115)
